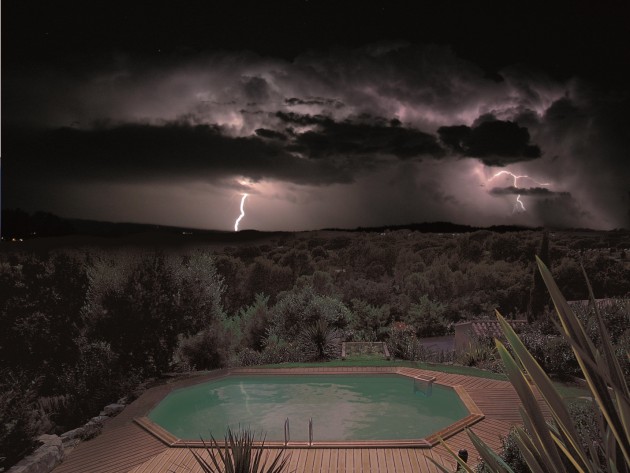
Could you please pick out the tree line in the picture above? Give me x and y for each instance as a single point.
(82, 327)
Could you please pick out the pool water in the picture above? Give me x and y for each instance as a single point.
(343, 407)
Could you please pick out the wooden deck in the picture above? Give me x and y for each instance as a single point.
(125, 447)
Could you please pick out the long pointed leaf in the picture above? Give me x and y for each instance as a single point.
(569, 455)
(494, 461)
(550, 457)
(616, 375)
(459, 461)
(546, 388)
(584, 350)
(527, 449)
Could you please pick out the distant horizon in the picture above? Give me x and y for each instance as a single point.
(426, 226)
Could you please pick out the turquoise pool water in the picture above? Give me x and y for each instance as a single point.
(343, 407)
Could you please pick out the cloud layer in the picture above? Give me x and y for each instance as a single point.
(346, 123)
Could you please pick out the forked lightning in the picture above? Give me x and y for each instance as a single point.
(242, 213)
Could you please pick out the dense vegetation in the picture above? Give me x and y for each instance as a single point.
(83, 327)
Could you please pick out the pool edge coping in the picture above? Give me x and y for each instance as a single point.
(475, 414)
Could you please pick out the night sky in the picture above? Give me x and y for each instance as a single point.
(328, 114)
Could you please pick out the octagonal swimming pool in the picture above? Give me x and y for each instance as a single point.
(343, 407)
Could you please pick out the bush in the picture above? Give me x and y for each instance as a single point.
(92, 382)
(209, 349)
(280, 351)
(587, 421)
(427, 318)
(302, 308)
(320, 342)
(20, 420)
(255, 321)
(403, 344)
(239, 455)
(510, 454)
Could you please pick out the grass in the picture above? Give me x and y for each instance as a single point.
(451, 369)
(569, 391)
(572, 391)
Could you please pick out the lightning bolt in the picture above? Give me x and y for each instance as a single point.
(518, 205)
(242, 213)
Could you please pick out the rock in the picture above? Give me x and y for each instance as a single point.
(98, 419)
(72, 434)
(44, 459)
(123, 401)
(91, 430)
(112, 410)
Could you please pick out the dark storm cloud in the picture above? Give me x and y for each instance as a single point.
(339, 115)
(534, 191)
(293, 101)
(495, 142)
(365, 136)
(256, 89)
(562, 211)
(131, 153)
(271, 134)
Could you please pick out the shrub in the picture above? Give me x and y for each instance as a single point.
(405, 345)
(510, 454)
(208, 349)
(320, 342)
(239, 455)
(552, 448)
(20, 420)
(255, 321)
(427, 318)
(280, 351)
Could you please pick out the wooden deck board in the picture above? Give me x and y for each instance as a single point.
(125, 447)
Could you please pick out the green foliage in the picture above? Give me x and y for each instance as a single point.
(404, 344)
(587, 423)
(476, 354)
(510, 454)
(93, 381)
(234, 275)
(538, 297)
(552, 352)
(140, 305)
(551, 448)
(239, 455)
(303, 308)
(145, 304)
(277, 350)
(369, 323)
(206, 350)
(198, 291)
(320, 342)
(20, 420)
(255, 321)
(267, 277)
(426, 317)
(40, 301)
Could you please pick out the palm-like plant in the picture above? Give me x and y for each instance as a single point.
(556, 447)
(320, 341)
(240, 455)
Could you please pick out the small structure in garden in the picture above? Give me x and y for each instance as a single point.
(469, 333)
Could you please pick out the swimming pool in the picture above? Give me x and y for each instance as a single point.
(344, 407)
